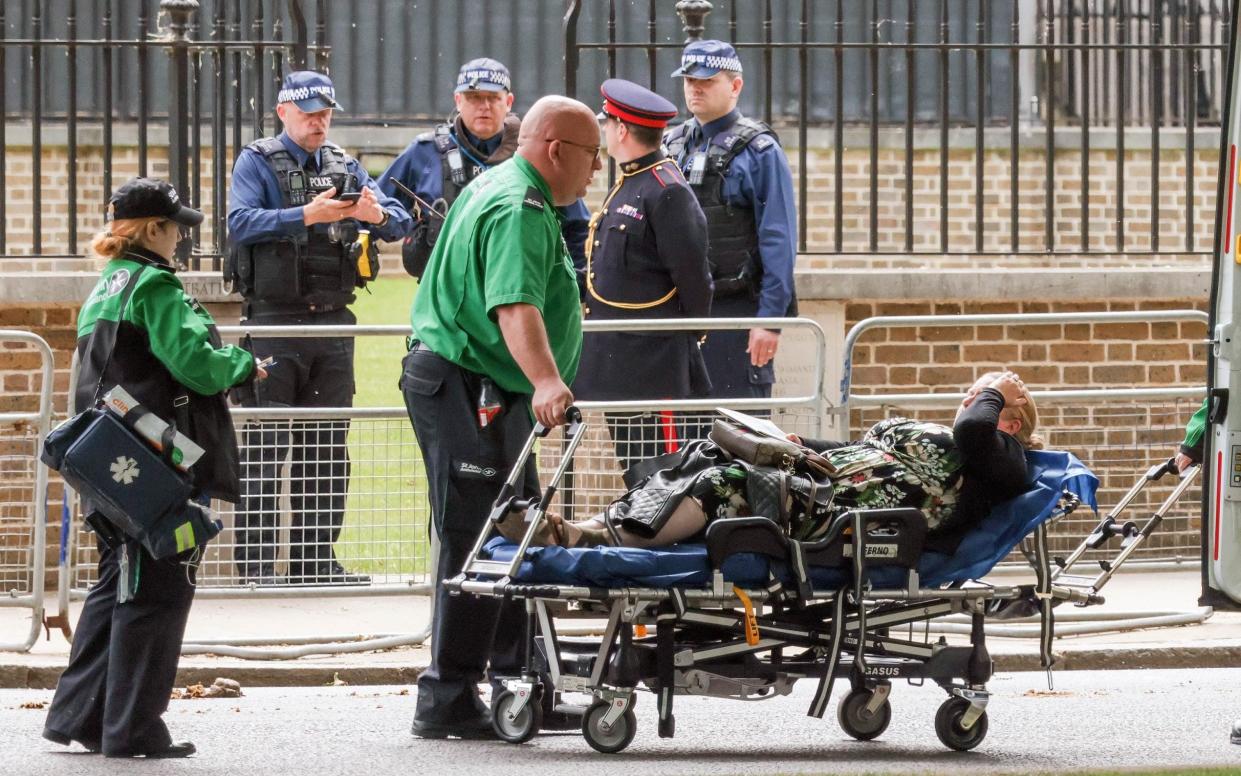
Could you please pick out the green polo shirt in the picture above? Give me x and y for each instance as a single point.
(500, 244)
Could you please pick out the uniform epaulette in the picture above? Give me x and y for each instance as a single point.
(266, 146)
(533, 199)
(671, 169)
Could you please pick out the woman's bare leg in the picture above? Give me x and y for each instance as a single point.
(685, 521)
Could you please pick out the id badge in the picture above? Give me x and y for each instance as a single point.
(697, 169)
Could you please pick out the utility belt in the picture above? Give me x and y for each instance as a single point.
(298, 274)
(256, 307)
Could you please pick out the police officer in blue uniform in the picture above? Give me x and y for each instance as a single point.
(646, 257)
(296, 207)
(438, 164)
(741, 177)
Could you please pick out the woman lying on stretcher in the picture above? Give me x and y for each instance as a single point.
(954, 475)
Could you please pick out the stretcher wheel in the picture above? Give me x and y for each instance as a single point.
(948, 726)
(851, 714)
(616, 737)
(524, 726)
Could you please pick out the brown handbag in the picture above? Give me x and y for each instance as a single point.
(764, 450)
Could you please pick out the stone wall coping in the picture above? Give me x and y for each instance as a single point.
(1044, 285)
(990, 284)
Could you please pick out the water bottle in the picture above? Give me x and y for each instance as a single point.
(489, 405)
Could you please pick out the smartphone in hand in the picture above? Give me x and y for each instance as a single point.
(348, 190)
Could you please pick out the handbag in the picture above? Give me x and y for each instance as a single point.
(766, 450)
(132, 488)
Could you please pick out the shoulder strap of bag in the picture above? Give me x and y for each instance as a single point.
(90, 344)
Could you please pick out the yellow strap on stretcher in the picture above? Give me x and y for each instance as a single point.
(751, 622)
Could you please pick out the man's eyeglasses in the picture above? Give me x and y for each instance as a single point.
(592, 149)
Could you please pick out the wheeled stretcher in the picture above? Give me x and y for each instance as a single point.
(749, 612)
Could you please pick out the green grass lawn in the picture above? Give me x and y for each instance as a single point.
(385, 526)
(377, 362)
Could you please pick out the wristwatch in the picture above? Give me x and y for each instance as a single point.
(384, 220)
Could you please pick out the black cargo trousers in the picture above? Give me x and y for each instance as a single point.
(124, 657)
(466, 466)
(308, 372)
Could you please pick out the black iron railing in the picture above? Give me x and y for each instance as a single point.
(908, 87)
(928, 74)
(198, 87)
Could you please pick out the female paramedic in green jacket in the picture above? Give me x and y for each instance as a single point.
(166, 353)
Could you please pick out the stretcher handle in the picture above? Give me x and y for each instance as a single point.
(572, 415)
(511, 505)
(1158, 470)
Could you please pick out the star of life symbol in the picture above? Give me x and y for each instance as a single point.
(124, 470)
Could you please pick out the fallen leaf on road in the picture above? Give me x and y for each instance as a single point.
(34, 704)
(220, 688)
(1046, 694)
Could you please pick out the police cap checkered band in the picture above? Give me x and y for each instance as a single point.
(305, 93)
(475, 77)
(483, 74)
(705, 58)
(309, 90)
(714, 62)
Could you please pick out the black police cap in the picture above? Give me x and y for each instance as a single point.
(151, 197)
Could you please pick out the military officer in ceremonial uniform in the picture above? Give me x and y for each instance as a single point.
(646, 258)
(741, 177)
(438, 164)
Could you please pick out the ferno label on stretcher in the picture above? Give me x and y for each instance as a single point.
(151, 427)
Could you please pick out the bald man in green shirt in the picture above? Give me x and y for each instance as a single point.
(496, 322)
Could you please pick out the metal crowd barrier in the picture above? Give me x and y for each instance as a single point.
(23, 519)
(1117, 432)
(385, 526)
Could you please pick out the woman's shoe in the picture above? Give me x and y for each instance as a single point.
(56, 737)
(548, 534)
(173, 750)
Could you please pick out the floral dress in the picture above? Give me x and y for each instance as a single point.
(898, 463)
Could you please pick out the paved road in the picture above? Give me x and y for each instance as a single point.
(1113, 720)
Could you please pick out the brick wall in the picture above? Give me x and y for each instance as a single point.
(1063, 356)
(376, 148)
(1118, 440)
(22, 381)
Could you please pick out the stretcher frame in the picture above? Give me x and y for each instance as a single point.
(755, 643)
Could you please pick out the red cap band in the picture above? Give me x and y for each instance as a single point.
(624, 113)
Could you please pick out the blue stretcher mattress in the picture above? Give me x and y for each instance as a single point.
(686, 565)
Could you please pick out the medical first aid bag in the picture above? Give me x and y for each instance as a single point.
(138, 488)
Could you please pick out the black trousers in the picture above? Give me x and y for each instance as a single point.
(638, 436)
(124, 657)
(466, 466)
(308, 372)
(732, 374)
(728, 363)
